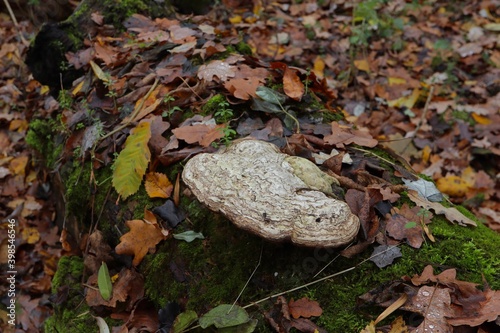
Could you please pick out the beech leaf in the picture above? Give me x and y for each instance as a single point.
(132, 162)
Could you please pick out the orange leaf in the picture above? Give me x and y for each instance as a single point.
(142, 237)
(304, 307)
(293, 87)
(481, 119)
(319, 67)
(157, 185)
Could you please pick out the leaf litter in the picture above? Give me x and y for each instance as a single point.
(383, 94)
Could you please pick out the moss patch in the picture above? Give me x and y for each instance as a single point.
(66, 316)
(42, 137)
(203, 274)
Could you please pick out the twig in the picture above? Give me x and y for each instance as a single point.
(248, 281)
(422, 117)
(318, 280)
(14, 20)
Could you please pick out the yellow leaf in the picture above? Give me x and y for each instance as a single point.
(362, 65)
(158, 185)
(452, 185)
(78, 88)
(492, 26)
(31, 235)
(481, 119)
(99, 72)
(426, 154)
(469, 176)
(132, 162)
(407, 101)
(20, 125)
(319, 67)
(235, 19)
(18, 165)
(395, 81)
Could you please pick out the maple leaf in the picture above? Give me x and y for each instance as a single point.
(142, 237)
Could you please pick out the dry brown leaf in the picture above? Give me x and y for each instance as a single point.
(142, 237)
(305, 308)
(293, 87)
(451, 213)
(158, 185)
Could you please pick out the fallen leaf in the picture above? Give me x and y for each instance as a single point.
(304, 307)
(451, 213)
(142, 237)
(362, 65)
(453, 185)
(293, 87)
(158, 185)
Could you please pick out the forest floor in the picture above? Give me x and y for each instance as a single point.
(420, 78)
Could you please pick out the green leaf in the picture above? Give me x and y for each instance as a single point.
(104, 282)
(133, 160)
(248, 327)
(270, 95)
(225, 315)
(189, 236)
(184, 320)
(410, 225)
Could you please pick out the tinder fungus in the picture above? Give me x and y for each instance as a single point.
(271, 194)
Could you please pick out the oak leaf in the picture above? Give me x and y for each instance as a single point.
(142, 238)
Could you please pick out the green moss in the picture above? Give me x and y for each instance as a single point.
(42, 136)
(203, 274)
(77, 185)
(243, 48)
(68, 315)
(115, 14)
(213, 104)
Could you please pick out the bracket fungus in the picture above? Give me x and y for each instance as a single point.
(262, 191)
